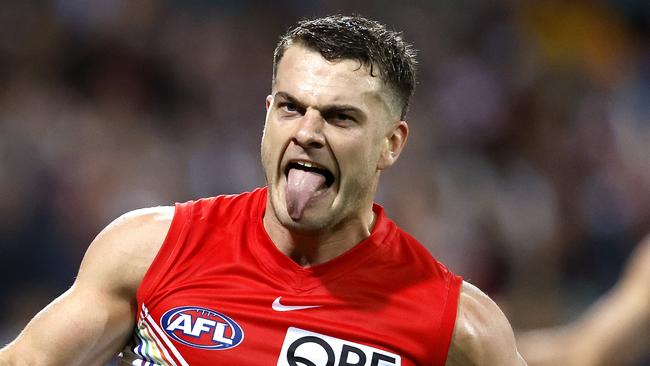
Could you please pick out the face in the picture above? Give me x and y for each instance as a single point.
(330, 129)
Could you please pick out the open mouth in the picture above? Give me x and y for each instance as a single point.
(306, 181)
(311, 167)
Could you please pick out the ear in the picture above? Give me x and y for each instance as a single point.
(269, 100)
(394, 143)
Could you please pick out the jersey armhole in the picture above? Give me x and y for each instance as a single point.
(449, 314)
(163, 260)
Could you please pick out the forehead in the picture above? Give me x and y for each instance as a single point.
(305, 74)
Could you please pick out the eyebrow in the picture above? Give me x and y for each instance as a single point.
(326, 109)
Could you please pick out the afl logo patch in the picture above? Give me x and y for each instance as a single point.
(202, 328)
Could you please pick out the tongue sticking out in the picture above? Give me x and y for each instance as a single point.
(301, 187)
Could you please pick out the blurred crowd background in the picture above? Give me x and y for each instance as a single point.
(527, 170)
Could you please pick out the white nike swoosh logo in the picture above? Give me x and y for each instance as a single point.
(279, 307)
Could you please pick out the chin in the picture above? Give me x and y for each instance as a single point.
(307, 223)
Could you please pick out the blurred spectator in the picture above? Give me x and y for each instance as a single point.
(527, 172)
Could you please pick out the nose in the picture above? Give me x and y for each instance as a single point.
(310, 130)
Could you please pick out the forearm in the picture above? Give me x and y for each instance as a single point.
(618, 320)
(614, 323)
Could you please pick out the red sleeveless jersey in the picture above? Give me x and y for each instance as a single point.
(220, 293)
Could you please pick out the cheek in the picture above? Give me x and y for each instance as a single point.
(358, 160)
(370, 151)
(274, 141)
(274, 132)
(269, 135)
(267, 147)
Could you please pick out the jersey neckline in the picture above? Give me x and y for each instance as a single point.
(304, 279)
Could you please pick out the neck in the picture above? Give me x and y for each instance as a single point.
(309, 248)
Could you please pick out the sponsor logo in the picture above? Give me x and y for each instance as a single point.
(305, 348)
(202, 328)
(277, 306)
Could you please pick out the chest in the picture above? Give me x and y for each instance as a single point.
(239, 314)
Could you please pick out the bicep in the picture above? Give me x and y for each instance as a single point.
(91, 321)
(482, 334)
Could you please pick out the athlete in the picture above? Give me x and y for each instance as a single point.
(613, 331)
(306, 271)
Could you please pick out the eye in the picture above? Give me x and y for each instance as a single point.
(342, 119)
(288, 107)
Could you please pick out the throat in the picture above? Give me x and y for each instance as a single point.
(310, 254)
(308, 249)
(305, 261)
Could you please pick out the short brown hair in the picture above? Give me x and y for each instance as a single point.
(340, 37)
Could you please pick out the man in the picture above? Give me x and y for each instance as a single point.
(304, 272)
(613, 331)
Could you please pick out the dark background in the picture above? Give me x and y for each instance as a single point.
(527, 170)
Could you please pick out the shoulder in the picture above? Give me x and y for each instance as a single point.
(143, 227)
(142, 221)
(482, 334)
(122, 252)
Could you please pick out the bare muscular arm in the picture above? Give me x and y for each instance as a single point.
(91, 321)
(482, 334)
(620, 320)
